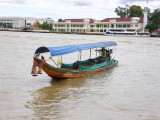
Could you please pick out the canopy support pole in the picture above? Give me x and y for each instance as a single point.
(53, 61)
(80, 55)
(96, 52)
(61, 58)
(90, 54)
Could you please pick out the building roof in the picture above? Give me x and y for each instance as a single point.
(78, 20)
(141, 20)
(124, 19)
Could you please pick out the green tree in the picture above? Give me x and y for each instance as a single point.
(132, 11)
(155, 18)
(121, 11)
(151, 27)
(59, 20)
(45, 26)
(155, 21)
(135, 11)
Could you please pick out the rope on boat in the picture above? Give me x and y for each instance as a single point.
(53, 61)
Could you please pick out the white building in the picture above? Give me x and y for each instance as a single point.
(73, 25)
(16, 22)
(98, 26)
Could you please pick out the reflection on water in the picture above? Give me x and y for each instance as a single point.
(129, 91)
(48, 101)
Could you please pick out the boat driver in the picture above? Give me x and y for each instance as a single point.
(103, 55)
(108, 54)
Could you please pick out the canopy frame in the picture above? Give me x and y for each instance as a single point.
(62, 50)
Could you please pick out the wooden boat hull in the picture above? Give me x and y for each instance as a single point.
(54, 72)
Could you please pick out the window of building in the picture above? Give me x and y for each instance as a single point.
(81, 25)
(112, 25)
(106, 26)
(124, 25)
(92, 26)
(101, 25)
(97, 26)
(120, 26)
(128, 26)
(28, 23)
(101, 30)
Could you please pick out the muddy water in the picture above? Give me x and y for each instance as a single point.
(129, 91)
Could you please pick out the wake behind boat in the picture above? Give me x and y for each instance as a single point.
(78, 68)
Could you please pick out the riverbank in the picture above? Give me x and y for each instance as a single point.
(89, 33)
(47, 31)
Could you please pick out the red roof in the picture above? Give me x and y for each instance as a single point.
(141, 20)
(77, 20)
(124, 19)
(128, 19)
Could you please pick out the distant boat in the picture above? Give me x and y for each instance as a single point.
(125, 32)
(77, 69)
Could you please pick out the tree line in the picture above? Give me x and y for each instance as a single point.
(137, 11)
(45, 26)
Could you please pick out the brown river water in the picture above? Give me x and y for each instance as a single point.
(129, 91)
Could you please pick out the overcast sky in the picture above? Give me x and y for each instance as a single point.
(96, 9)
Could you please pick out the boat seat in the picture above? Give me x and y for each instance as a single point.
(75, 65)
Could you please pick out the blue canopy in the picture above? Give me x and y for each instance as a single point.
(62, 50)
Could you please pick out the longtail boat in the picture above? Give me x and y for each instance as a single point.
(78, 68)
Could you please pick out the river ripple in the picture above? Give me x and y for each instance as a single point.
(129, 91)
